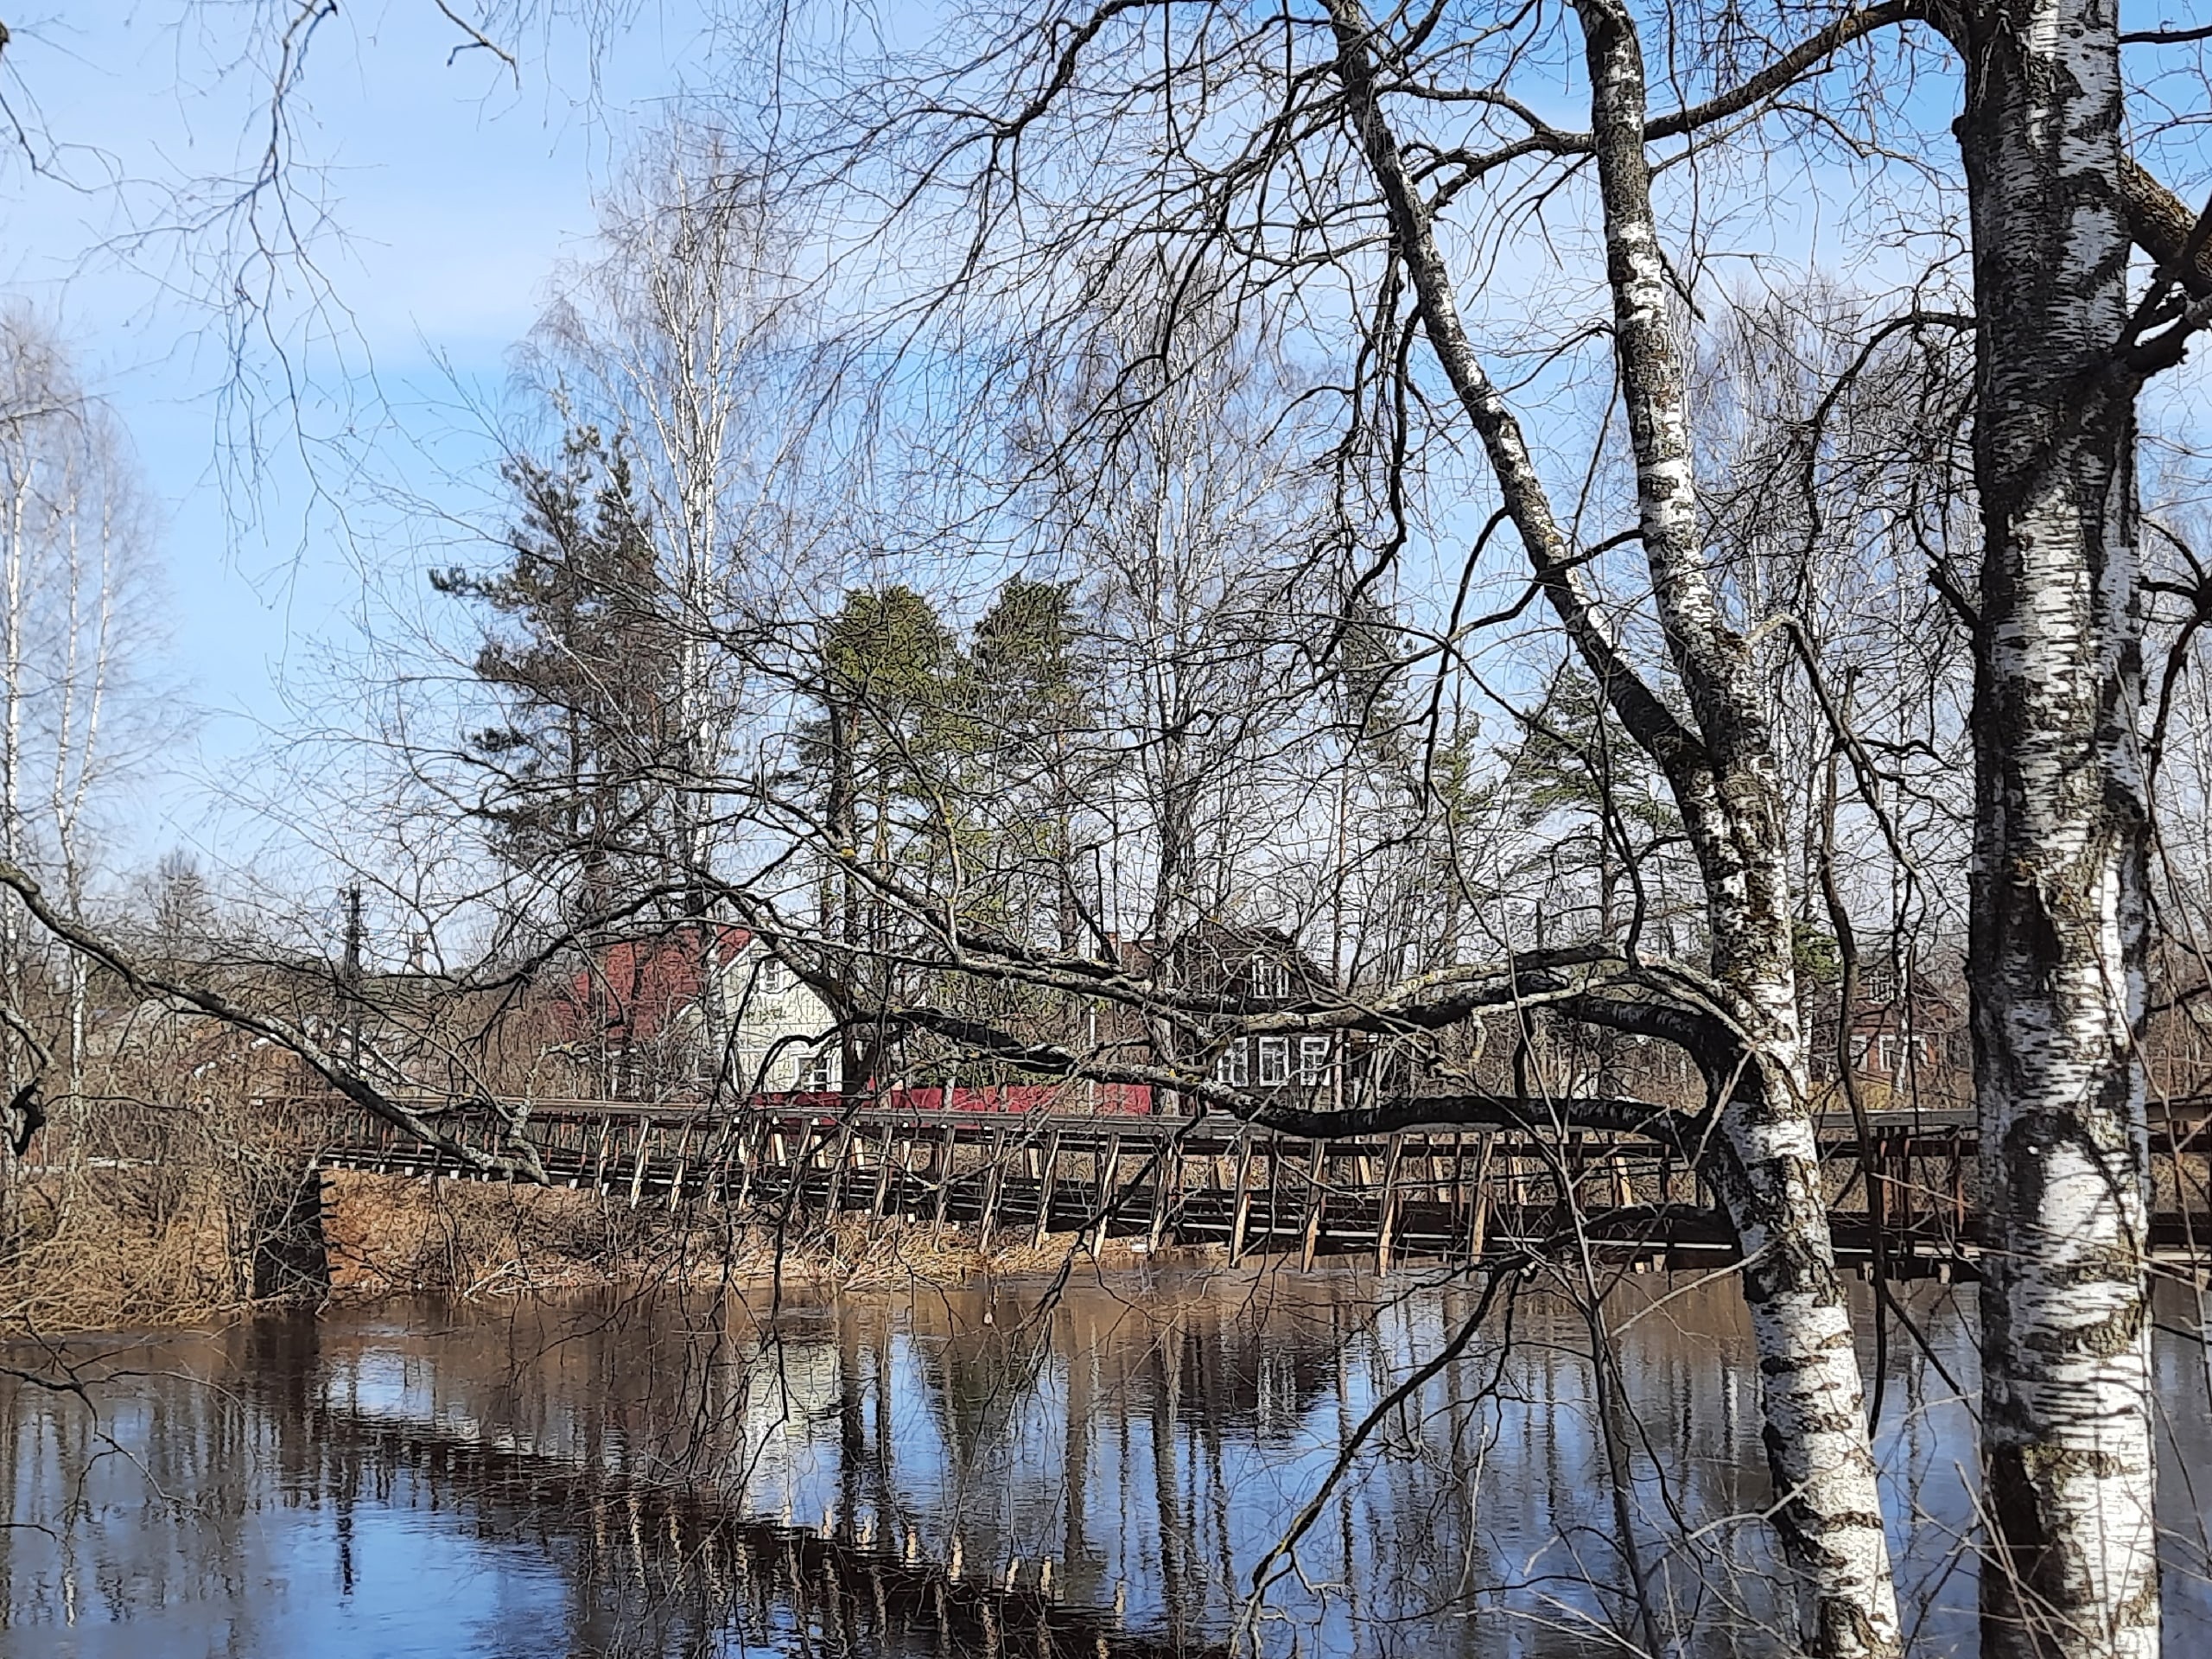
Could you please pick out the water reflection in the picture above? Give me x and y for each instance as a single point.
(944, 1472)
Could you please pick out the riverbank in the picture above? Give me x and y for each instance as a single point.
(395, 1236)
(142, 1247)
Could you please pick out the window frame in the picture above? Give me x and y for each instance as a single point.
(1313, 1060)
(1275, 1049)
(1235, 1065)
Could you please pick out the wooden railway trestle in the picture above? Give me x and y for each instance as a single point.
(1467, 1195)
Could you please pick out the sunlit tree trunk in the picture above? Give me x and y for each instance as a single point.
(1830, 1516)
(2058, 924)
(1721, 769)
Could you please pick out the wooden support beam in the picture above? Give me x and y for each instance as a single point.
(752, 1147)
(1166, 1172)
(606, 1143)
(1877, 1198)
(638, 1166)
(1316, 1198)
(1478, 1230)
(1958, 1195)
(883, 1172)
(945, 1173)
(1240, 1214)
(993, 1179)
(1387, 1211)
(1108, 1169)
(795, 1183)
(1902, 1191)
(839, 1160)
(1048, 1174)
(682, 1162)
(1462, 1199)
(1273, 1147)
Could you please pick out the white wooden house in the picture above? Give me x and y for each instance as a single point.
(778, 1031)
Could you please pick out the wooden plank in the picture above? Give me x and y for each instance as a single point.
(1241, 1215)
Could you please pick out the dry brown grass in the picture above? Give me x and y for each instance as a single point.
(390, 1234)
(173, 1223)
(101, 1248)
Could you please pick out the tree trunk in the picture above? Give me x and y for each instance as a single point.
(1724, 779)
(1818, 1450)
(2058, 924)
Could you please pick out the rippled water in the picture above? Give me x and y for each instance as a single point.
(939, 1472)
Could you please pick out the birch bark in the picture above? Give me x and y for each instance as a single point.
(2058, 923)
(1724, 779)
(1813, 1396)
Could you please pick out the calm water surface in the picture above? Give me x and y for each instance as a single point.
(935, 1472)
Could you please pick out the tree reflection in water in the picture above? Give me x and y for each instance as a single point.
(977, 1470)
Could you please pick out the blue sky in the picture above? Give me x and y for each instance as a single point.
(452, 187)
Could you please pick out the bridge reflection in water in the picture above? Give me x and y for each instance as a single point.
(947, 1471)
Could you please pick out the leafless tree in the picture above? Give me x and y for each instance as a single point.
(77, 712)
(1366, 189)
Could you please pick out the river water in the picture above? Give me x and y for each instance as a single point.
(991, 1469)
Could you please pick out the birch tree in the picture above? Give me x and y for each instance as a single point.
(75, 648)
(681, 336)
(2059, 874)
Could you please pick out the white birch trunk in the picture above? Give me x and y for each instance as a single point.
(2071, 1567)
(1822, 1465)
(1828, 1513)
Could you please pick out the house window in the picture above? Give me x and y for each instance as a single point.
(1312, 1059)
(1270, 978)
(1234, 1068)
(1274, 1061)
(814, 1071)
(771, 978)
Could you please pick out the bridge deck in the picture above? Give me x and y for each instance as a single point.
(1463, 1195)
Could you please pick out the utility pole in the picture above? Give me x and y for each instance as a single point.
(349, 974)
